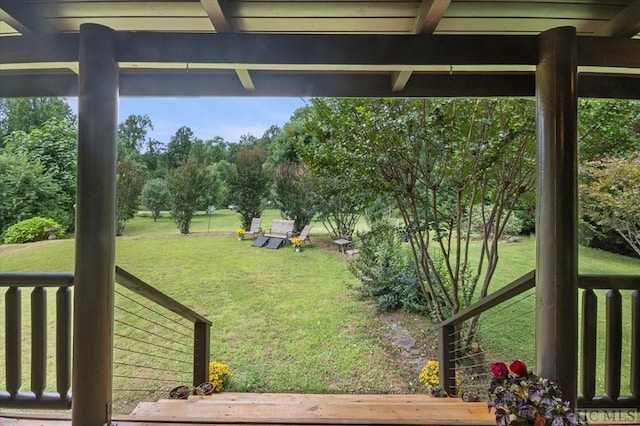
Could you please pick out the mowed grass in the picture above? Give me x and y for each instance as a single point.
(283, 321)
(287, 322)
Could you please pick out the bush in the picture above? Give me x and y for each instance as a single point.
(31, 230)
(386, 273)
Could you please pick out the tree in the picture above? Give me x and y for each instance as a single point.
(610, 194)
(441, 160)
(132, 133)
(608, 128)
(179, 147)
(129, 179)
(248, 183)
(155, 196)
(187, 185)
(26, 114)
(28, 190)
(294, 194)
(54, 145)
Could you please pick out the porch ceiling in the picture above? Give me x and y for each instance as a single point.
(319, 48)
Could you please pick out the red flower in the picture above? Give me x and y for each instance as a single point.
(499, 369)
(519, 368)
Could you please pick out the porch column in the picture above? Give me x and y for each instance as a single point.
(557, 210)
(95, 227)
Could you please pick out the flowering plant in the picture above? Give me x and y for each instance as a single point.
(430, 378)
(219, 375)
(240, 232)
(296, 242)
(523, 398)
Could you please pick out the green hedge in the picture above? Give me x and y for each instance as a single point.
(31, 230)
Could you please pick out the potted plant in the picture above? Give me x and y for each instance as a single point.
(240, 233)
(521, 398)
(219, 375)
(296, 243)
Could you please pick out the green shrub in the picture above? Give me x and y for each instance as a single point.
(31, 230)
(385, 272)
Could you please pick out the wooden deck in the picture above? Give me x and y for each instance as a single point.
(247, 409)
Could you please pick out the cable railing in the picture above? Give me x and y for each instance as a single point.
(465, 357)
(465, 363)
(158, 342)
(39, 395)
(156, 346)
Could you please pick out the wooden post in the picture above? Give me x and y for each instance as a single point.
(557, 210)
(95, 227)
(201, 339)
(445, 359)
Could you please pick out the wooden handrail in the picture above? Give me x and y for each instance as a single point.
(36, 279)
(519, 286)
(136, 285)
(609, 282)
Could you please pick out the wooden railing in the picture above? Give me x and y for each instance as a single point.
(614, 341)
(37, 398)
(448, 342)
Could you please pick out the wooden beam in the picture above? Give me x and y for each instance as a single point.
(429, 16)
(245, 78)
(399, 80)
(590, 85)
(309, 84)
(22, 17)
(216, 11)
(609, 52)
(395, 52)
(624, 24)
(326, 49)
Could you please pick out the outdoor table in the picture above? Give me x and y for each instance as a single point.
(342, 244)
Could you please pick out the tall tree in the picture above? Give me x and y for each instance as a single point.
(187, 185)
(26, 114)
(441, 160)
(249, 183)
(179, 147)
(294, 194)
(53, 144)
(130, 177)
(132, 133)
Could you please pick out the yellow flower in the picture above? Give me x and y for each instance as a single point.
(430, 375)
(297, 242)
(240, 232)
(219, 375)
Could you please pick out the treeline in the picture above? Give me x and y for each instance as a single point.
(433, 173)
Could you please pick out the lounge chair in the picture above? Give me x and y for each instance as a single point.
(304, 235)
(255, 228)
(280, 229)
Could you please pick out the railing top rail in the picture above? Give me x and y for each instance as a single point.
(36, 279)
(609, 282)
(519, 286)
(138, 286)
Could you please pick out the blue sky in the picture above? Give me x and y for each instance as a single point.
(209, 117)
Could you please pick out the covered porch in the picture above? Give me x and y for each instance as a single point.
(99, 51)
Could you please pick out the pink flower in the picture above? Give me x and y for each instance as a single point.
(499, 369)
(519, 368)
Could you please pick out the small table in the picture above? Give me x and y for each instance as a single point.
(342, 244)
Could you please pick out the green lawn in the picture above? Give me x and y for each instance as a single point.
(287, 322)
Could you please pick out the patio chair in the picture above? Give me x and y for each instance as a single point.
(304, 234)
(255, 229)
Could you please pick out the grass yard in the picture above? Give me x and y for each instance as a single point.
(287, 322)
